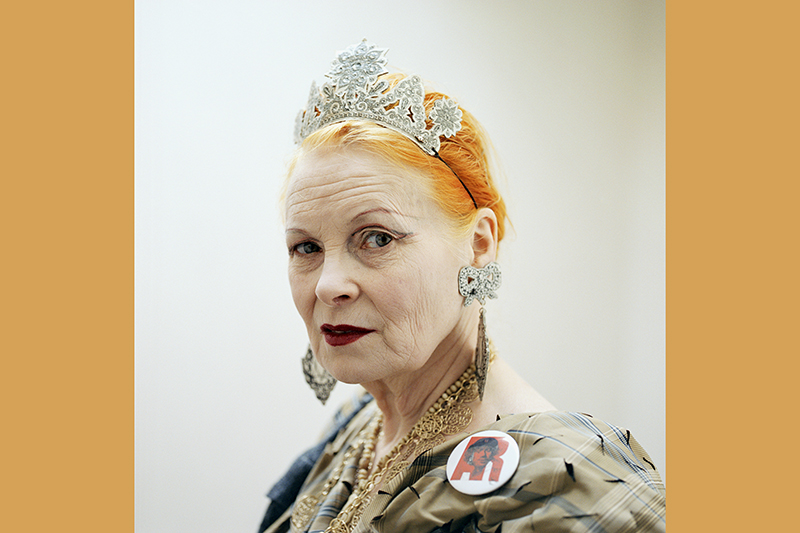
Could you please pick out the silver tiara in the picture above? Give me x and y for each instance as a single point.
(355, 92)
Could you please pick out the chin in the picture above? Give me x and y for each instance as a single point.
(337, 362)
(354, 371)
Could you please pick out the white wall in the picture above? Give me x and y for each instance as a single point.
(572, 94)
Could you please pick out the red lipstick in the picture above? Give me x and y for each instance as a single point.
(342, 334)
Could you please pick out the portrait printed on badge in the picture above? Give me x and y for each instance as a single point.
(482, 462)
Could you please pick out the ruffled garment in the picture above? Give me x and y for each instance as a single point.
(576, 473)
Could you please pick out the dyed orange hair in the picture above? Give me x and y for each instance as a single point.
(466, 154)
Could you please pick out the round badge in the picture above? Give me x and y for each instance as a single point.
(482, 462)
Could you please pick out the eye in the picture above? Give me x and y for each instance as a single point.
(305, 248)
(377, 239)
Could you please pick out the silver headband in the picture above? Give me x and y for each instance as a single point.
(356, 92)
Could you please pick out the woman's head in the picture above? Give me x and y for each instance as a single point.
(482, 451)
(387, 198)
(373, 265)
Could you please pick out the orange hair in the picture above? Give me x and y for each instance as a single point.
(465, 153)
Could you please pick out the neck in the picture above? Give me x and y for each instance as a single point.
(403, 399)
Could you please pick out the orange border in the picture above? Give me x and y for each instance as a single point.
(732, 264)
(67, 219)
(67, 210)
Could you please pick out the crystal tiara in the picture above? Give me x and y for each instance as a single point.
(356, 92)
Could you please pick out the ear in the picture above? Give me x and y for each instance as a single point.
(484, 238)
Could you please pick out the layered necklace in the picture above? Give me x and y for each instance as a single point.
(448, 416)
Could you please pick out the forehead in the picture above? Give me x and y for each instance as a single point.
(352, 178)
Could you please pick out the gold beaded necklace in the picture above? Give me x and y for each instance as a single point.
(447, 416)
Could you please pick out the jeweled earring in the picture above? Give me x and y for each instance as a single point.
(319, 379)
(480, 283)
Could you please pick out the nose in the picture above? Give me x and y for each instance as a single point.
(336, 285)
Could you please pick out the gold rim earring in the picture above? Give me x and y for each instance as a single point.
(319, 379)
(480, 283)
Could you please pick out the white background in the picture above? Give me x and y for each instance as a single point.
(572, 94)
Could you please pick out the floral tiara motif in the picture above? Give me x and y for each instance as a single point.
(356, 92)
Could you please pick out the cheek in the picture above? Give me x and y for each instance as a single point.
(424, 303)
(303, 294)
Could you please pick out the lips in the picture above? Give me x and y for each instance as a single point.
(342, 334)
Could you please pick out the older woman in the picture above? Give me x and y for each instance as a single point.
(393, 223)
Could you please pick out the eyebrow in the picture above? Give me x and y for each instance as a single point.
(362, 214)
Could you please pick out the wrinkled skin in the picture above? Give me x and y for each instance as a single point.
(369, 247)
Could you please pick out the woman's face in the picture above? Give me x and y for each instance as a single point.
(482, 456)
(373, 265)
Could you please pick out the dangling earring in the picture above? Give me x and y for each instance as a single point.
(319, 379)
(480, 283)
(482, 354)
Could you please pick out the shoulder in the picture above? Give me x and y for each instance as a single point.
(580, 439)
(573, 469)
(576, 468)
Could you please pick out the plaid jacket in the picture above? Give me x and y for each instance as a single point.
(576, 473)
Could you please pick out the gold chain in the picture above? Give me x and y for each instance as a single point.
(446, 417)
